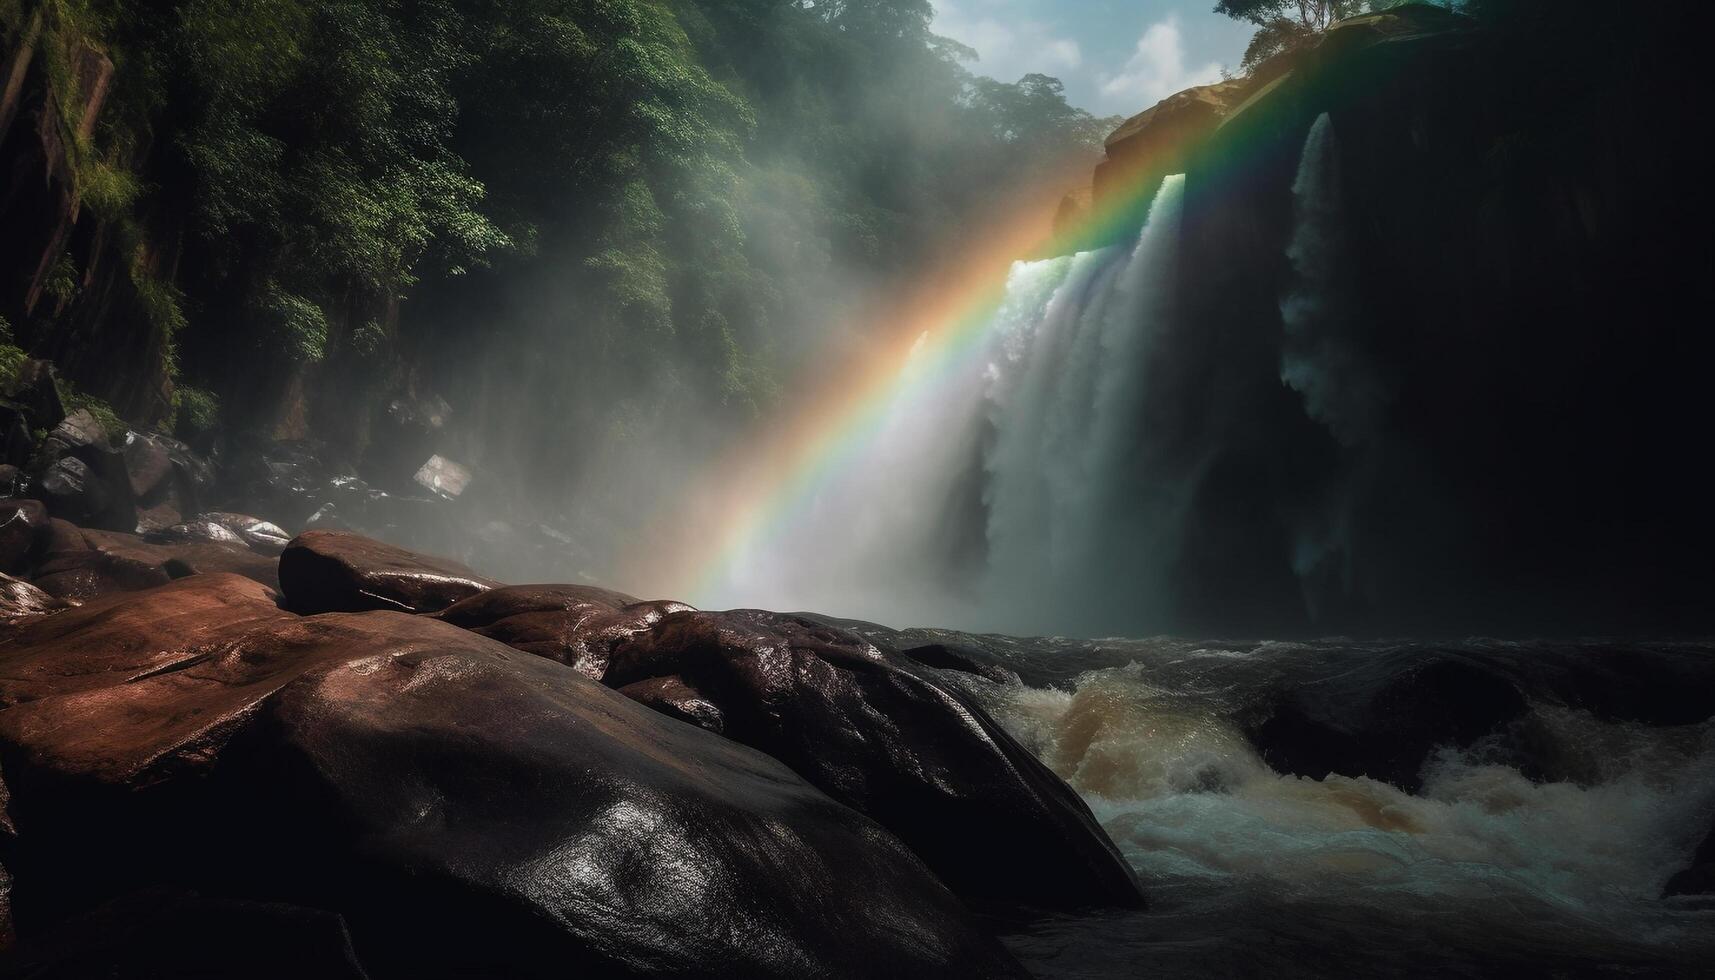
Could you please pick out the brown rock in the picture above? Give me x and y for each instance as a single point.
(19, 600)
(466, 810)
(887, 739)
(337, 571)
(81, 563)
(577, 625)
(23, 525)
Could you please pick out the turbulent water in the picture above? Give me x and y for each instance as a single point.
(1484, 869)
(1029, 488)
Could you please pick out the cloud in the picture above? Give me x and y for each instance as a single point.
(1009, 44)
(1155, 70)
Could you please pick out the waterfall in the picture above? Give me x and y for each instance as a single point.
(989, 494)
(1063, 407)
(1325, 358)
(1322, 354)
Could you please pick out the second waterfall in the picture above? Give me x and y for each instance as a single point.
(1004, 488)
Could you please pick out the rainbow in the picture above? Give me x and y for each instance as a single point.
(761, 489)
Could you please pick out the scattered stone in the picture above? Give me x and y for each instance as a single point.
(23, 527)
(201, 529)
(82, 563)
(444, 477)
(147, 462)
(262, 537)
(19, 600)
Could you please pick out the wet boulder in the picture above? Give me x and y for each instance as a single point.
(81, 477)
(337, 571)
(261, 536)
(464, 809)
(148, 462)
(1698, 878)
(20, 600)
(577, 625)
(13, 481)
(403, 440)
(169, 481)
(23, 526)
(16, 437)
(197, 530)
(81, 563)
(966, 660)
(33, 390)
(141, 937)
(1382, 716)
(888, 740)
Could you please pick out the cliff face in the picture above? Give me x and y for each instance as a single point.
(95, 293)
(1438, 354)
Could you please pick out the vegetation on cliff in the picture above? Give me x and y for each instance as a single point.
(652, 197)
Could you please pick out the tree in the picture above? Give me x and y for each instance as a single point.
(1285, 25)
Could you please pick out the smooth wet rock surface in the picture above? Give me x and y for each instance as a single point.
(337, 571)
(577, 625)
(891, 742)
(463, 808)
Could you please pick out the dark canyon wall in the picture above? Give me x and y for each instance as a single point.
(1462, 388)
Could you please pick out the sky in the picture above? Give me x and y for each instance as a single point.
(1117, 57)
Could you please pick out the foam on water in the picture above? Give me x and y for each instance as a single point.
(1483, 860)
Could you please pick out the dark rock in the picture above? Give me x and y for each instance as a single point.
(20, 600)
(34, 390)
(675, 699)
(13, 481)
(1384, 717)
(82, 478)
(147, 462)
(411, 431)
(467, 810)
(577, 625)
(262, 537)
(17, 439)
(1698, 878)
(943, 656)
(201, 529)
(81, 563)
(23, 527)
(891, 742)
(335, 571)
(71, 489)
(142, 937)
(80, 429)
(443, 477)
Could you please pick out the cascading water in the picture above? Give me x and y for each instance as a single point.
(990, 493)
(1022, 489)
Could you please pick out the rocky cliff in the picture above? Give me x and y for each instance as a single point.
(1438, 346)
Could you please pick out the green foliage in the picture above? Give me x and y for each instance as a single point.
(196, 413)
(292, 325)
(12, 357)
(75, 398)
(630, 213)
(108, 190)
(1286, 25)
(61, 283)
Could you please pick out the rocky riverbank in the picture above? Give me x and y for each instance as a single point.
(405, 769)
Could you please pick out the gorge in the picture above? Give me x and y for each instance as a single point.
(1289, 559)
